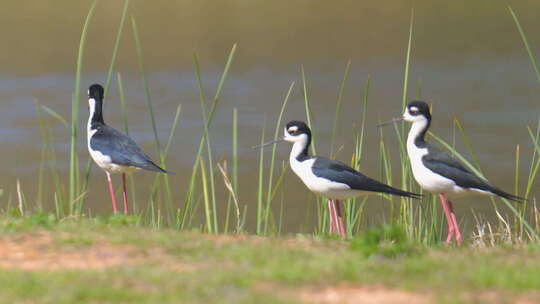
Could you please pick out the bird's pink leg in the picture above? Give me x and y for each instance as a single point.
(454, 223)
(447, 214)
(124, 194)
(332, 216)
(111, 192)
(340, 222)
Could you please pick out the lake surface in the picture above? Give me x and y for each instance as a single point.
(468, 60)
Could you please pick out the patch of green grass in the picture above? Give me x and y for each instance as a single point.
(200, 268)
(389, 241)
(76, 241)
(119, 220)
(16, 223)
(137, 285)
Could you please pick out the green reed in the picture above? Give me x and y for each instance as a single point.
(190, 202)
(232, 185)
(264, 204)
(322, 215)
(354, 209)
(406, 211)
(211, 179)
(260, 192)
(74, 162)
(525, 43)
(117, 41)
(338, 106)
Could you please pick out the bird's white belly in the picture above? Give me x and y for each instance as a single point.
(104, 161)
(322, 186)
(430, 181)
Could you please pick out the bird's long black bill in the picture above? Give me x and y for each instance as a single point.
(268, 143)
(392, 121)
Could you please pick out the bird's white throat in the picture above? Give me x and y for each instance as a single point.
(417, 128)
(298, 147)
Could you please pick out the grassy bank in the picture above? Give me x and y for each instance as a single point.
(108, 260)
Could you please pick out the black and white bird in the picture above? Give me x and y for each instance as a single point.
(438, 172)
(111, 150)
(330, 178)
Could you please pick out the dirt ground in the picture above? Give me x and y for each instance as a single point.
(40, 251)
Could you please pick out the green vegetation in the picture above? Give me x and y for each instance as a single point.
(114, 259)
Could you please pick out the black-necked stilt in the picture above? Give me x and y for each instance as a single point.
(329, 178)
(111, 150)
(438, 172)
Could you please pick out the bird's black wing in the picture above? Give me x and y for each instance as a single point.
(341, 173)
(121, 149)
(443, 164)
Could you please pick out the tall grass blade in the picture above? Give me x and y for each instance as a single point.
(140, 60)
(535, 165)
(207, 206)
(190, 192)
(122, 98)
(277, 129)
(407, 63)
(55, 115)
(260, 186)
(116, 47)
(338, 107)
(405, 206)
(525, 43)
(73, 165)
(308, 108)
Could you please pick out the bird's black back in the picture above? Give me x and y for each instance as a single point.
(339, 172)
(444, 164)
(121, 149)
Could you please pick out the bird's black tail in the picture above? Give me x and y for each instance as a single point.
(390, 190)
(151, 166)
(507, 196)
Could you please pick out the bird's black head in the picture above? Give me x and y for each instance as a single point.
(298, 132)
(95, 100)
(96, 92)
(416, 111)
(294, 130)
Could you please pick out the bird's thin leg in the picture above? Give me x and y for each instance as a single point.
(111, 192)
(332, 216)
(454, 222)
(124, 194)
(449, 221)
(340, 222)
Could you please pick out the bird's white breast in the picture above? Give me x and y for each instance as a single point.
(320, 185)
(102, 160)
(427, 179)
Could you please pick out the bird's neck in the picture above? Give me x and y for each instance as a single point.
(96, 115)
(417, 133)
(300, 150)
